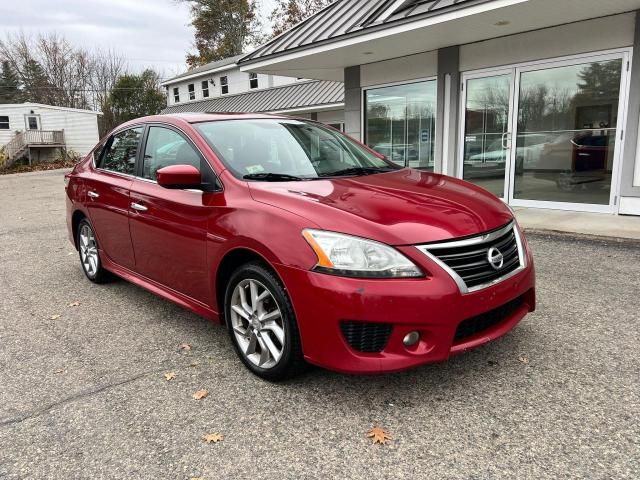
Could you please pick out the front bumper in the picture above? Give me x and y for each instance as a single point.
(433, 306)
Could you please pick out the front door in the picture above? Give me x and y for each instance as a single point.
(169, 227)
(486, 145)
(547, 134)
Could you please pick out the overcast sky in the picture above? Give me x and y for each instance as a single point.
(146, 32)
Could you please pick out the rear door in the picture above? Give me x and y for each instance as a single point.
(169, 227)
(108, 190)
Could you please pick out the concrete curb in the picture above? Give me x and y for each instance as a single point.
(584, 237)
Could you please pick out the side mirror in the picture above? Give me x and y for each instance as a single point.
(179, 176)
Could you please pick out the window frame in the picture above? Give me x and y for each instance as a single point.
(191, 91)
(253, 77)
(106, 146)
(3, 122)
(216, 184)
(224, 85)
(176, 94)
(205, 88)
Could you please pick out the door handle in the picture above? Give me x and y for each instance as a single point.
(506, 140)
(139, 207)
(93, 194)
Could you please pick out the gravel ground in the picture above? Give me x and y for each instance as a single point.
(84, 395)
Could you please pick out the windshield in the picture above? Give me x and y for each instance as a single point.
(288, 150)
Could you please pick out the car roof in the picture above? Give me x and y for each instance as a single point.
(206, 117)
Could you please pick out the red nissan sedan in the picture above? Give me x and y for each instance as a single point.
(307, 245)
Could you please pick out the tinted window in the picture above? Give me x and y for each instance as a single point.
(167, 147)
(122, 151)
(4, 123)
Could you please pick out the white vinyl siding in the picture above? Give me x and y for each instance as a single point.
(80, 127)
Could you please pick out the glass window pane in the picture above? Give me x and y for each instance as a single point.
(167, 147)
(486, 124)
(400, 123)
(567, 130)
(121, 156)
(287, 147)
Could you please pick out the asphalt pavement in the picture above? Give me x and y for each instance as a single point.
(83, 392)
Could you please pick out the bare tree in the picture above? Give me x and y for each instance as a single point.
(51, 70)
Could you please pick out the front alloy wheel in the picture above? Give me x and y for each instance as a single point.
(257, 323)
(262, 324)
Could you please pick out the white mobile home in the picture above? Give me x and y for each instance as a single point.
(39, 132)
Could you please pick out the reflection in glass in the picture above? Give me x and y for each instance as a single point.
(400, 123)
(567, 126)
(486, 126)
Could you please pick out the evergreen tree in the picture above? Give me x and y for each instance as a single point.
(9, 85)
(135, 96)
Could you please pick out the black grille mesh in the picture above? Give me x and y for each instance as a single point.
(365, 336)
(471, 262)
(473, 326)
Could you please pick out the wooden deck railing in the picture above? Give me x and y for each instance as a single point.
(28, 138)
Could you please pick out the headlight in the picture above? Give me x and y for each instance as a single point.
(340, 254)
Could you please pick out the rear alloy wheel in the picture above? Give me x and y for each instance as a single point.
(89, 256)
(262, 325)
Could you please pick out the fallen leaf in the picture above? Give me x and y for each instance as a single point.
(523, 359)
(54, 317)
(213, 438)
(379, 435)
(170, 376)
(185, 346)
(200, 394)
(194, 364)
(74, 304)
(58, 372)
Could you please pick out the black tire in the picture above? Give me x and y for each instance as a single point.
(291, 363)
(99, 275)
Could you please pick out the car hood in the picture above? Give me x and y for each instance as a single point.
(403, 207)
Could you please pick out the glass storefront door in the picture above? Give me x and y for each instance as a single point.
(566, 132)
(486, 130)
(546, 134)
(400, 123)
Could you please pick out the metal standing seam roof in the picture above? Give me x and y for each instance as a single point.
(352, 17)
(231, 61)
(294, 96)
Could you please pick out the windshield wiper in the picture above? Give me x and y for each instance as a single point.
(272, 177)
(357, 171)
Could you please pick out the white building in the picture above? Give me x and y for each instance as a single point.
(538, 101)
(222, 87)
(38, 132)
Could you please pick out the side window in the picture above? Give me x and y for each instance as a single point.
(167, 147)
(4, 122)
(176, 95)
(192, 91)
(224, 85)
(122, 151)
(253, 80)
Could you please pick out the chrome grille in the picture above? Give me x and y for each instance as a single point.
(479, 262)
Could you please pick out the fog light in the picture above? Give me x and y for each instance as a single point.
(410, 339)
